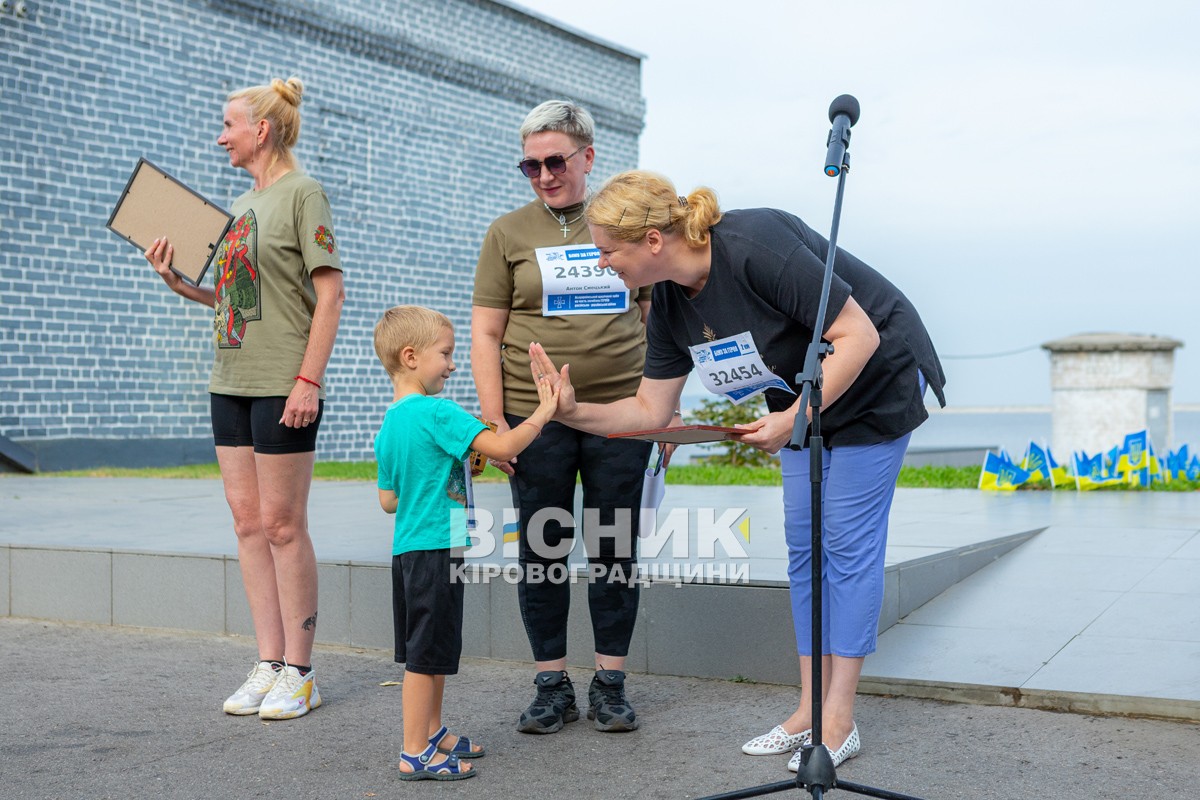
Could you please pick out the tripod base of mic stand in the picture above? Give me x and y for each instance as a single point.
(816, 773)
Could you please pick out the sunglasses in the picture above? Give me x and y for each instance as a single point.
(557, 165)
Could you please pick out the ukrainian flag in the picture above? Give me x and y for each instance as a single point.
(1000, 474)
(1089, 472)
(1155, 468)
(1134, 456)
(1059, 474)
(1113, 465)
(1164, 473)
(1177, 463)
(1037, 464)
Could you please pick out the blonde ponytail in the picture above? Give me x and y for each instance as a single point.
(630, 204)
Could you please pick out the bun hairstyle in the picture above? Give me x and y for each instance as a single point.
(279, 104)
(630, 204)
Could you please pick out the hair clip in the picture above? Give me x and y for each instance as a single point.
(682, 201)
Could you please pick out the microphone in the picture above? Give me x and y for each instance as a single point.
(843, 113)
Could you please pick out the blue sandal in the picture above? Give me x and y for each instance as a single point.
(449, 770)
(462, 748)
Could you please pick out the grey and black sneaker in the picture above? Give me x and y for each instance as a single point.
(609, 708)
(553, 706)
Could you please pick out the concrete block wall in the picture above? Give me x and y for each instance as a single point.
(675, 633)
(409, 121)
(205, 593)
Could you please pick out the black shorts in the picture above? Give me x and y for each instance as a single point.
(427, 611)
(247, 421)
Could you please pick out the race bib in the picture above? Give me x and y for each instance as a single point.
(731, 367)
(573, 282)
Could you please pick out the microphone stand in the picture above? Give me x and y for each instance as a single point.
(816, 772)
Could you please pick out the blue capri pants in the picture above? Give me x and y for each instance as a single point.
(858, 485)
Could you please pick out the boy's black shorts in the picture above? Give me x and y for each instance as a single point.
(427, 611)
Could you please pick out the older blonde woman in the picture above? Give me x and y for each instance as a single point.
(278, 296)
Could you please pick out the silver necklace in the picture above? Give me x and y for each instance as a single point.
(562, 219)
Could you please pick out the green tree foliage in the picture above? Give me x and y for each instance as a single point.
(726, 414)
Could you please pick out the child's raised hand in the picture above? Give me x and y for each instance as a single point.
(543, 369)
(548, 393)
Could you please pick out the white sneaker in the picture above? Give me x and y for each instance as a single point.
(249, 696)
(292, 695)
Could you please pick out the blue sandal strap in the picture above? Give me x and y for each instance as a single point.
(421, 766)
(462, 748)
(436, 739)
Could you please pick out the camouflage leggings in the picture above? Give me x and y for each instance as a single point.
(611, 474)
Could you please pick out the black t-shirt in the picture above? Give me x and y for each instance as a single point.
(765, 278)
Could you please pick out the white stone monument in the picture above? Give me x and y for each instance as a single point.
(1106, 385)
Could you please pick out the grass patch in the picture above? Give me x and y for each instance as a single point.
(938, 478)
(186, 471)
(681, 475)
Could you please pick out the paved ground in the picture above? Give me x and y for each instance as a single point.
(1104, 602)
(117, 713)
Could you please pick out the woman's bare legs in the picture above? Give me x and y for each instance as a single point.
(268, 496)
(839, 676)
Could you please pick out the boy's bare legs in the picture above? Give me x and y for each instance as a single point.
(421, 698)
(448, 741)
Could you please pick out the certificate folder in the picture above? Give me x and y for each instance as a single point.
(156, 204)
(686, 434)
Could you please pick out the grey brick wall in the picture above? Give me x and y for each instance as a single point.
(409, 121)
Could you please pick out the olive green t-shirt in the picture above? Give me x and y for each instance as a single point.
(265, 295)
(605, 351)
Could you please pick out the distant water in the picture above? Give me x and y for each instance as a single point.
(1013, 429)
(1009, 427)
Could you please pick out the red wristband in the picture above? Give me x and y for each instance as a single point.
(306, 380)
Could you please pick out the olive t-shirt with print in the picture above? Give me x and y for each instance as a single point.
(265, 295)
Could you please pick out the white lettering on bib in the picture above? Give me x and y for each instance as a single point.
(732, 367)
(573, 282)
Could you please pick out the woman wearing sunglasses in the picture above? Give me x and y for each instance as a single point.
(538, 280)
(736, 296)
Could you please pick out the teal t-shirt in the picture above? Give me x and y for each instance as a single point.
(420, 450)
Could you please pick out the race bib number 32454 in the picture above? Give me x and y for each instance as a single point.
(732, 367)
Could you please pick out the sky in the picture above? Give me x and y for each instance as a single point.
(1023, 171)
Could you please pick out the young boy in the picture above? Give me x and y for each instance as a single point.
(420, 450)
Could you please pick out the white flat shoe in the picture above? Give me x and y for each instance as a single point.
(776, 741)
(849, 749)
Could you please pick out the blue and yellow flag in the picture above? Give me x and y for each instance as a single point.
(1059, 473)
(1037, 464)
(1177, 463)
(1090, 473)
(1134, 457)
(1000, 474)
(1113, 465)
